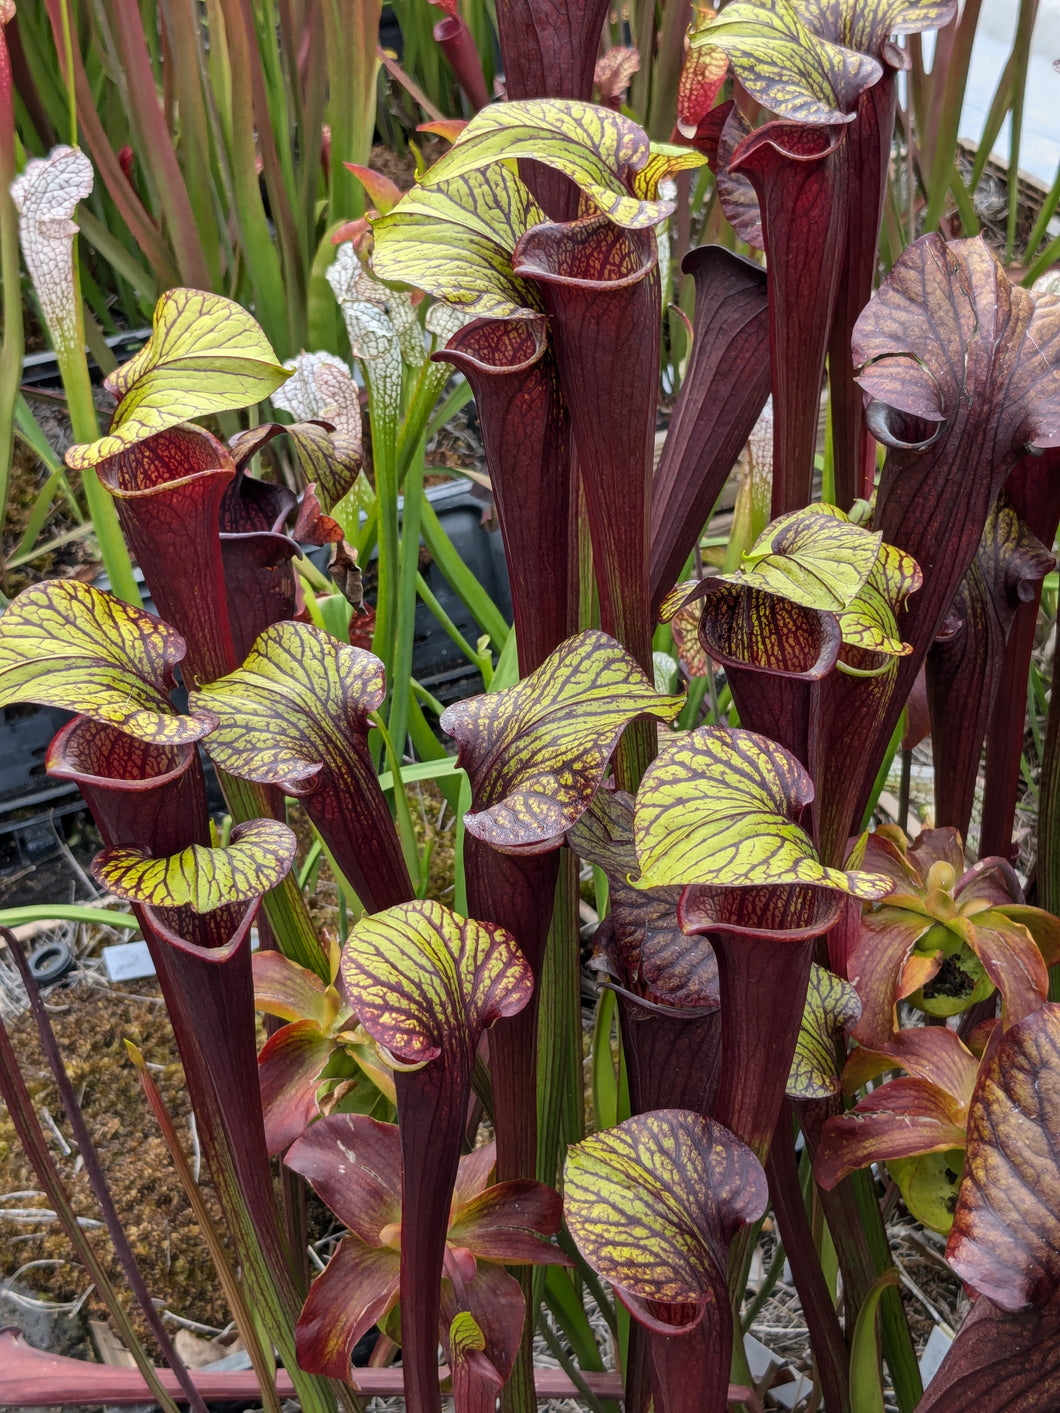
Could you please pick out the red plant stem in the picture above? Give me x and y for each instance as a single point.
(357, 827)
(549, 48)
(600, 285)
(835, 954)
(801, 181)
(962, 672)
(1034, 488)
(149, 796)
(789, 1209)
(637, 1390)
(721, 397)
(209, 995)
(100, 1189)
(12, 346)
(866, 154)
(168, 491)
(513, 1069)
(475, 1386)
(860, 1238)
(672, 1063)
(1004, 737)
(208, 989)
(840, 760)
(527, 439)
(763, 992)
(672, 1058)
(260, 584)
(775, 706)
(292, 1186)
(1047, 882)
(454, 40)
(154, 797)
(691, 1371)
(921, 497)
(516, 892)
(432, 1103)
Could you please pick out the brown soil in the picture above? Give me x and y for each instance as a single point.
(91, 1024)
(400, 167)
(457, 446)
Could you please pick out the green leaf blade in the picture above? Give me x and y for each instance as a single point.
(537, 753)
(719, 806)
(814, 557)
(793, 72)
(204, 879)
(653, 1203)
(298, 694)
(867, 24)
(296, 715)
(66, 644)
(597, 148)
(206, 354)
(832, 1005)
(424, 980)
(453, 263)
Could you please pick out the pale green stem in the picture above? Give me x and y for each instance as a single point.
(73, 368)
(401, 666)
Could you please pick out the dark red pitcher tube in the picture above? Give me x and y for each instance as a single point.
(527, 439)
(600, 285)
(168, 490)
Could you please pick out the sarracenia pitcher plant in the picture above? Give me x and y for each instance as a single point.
(769, 960)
